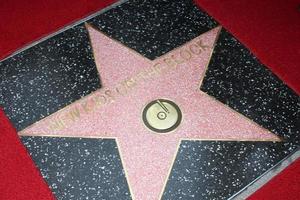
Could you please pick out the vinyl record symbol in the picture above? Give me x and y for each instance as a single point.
(162, 116)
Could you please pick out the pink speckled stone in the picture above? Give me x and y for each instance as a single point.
(147, 157)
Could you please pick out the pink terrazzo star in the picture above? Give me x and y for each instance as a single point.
(130, 81)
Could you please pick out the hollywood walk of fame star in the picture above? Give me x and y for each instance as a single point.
(131, 83)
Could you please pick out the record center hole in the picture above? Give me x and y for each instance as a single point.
(161, 115)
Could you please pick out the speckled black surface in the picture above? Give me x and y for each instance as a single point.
(218, 170)
(91, 168)
(236, 78)
(60, 70)
(154, 27)
(80, 168)
(47, 77)
(202, 170)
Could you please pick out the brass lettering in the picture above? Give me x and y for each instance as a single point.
(150, 72)
(56, 125)
(195, 49)
(124, 87)
(201, 45)
(98, 101)
(130, 83)
(170, 62)
(176, 60)
(74, 114)
(140, 76)
(185, 54)
(121, 91)
(86, 107)
(157, 67)
(110, 95)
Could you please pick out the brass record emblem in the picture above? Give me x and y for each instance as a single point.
(162, 115)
